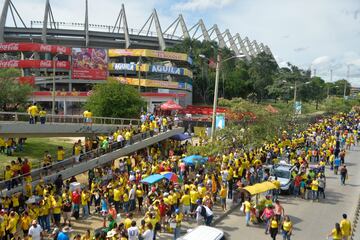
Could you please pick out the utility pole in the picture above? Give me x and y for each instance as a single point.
(215, 96)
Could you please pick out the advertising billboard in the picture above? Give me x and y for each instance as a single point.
(220, 121)
(150, 68)
(34, 64)
(89, 63)
(149, 53)
(34, 47)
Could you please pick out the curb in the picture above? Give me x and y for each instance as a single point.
(222, 216)
(355, 221)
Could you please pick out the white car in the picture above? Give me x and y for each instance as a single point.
(203, 231)
(283, 173)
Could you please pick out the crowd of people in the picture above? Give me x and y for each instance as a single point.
(117, 193)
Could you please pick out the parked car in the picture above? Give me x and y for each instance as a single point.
(283, 172)
(210, 233)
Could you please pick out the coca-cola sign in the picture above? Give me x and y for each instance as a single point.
(9, 47)
(9, 64)
(34, 47)
(33, 64)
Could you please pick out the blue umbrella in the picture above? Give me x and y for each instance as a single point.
(191, 160)
(153, 179)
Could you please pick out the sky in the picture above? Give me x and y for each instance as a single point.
(316, 34)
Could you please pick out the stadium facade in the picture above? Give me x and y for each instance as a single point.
(79, 55)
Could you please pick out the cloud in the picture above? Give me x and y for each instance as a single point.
(193, 5)
(321, 60)
(300, 49)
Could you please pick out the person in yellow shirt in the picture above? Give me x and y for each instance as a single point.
(247, 210)
(336, 232)
(345, 226)
(315, 189)
(185, 201)
(25, 223)
(194, 196)
(7, 176)
(177, 219)
(140, 196)
(287, 228)
(42, 115)
(223, 195)
(87, 117)
(56, 209)
(15, 201)
(273, 227)
(33, 112)
(60, 153)
(85, 195)
(11, 226)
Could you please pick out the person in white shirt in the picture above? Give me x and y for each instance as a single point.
(209, 216)
(198, 212)
(149, 233)
(35, 231)
(133, 231)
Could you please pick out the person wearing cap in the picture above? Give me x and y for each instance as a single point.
(35, 231)
(178, 219)
(111, 234)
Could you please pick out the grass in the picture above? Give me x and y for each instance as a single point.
(34, 149)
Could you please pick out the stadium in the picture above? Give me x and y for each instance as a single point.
(72, 57)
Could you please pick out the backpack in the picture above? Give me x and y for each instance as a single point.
(203, 211)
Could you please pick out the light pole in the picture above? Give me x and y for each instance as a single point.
(139, 74)
(218, 62)
(53, 84)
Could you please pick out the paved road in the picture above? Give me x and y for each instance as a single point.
(312, 221)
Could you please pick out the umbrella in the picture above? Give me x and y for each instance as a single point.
(170, 176)
(170, 105)
(153, 179)
(180, 137)
(191, 160)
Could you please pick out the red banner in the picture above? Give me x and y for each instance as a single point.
(94, 74)
(89, 63)
(27, 80)
(33, 64)
(34, 47)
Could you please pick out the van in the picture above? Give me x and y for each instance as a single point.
(201, 231)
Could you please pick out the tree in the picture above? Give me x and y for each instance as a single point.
(13, 96)
(315, 90)
(114, 99)
(261, 71)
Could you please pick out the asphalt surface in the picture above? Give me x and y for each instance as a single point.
(312, 220)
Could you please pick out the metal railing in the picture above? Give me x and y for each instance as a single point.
(78, 119)
(41, 172)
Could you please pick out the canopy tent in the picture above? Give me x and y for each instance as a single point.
(181, 137)
(170, 105)
(260, 187)
(191, 160)
(152, 179)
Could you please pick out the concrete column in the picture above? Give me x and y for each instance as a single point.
(65, 107)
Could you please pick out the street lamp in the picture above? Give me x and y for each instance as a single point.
(53, 84)
(218, 62)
